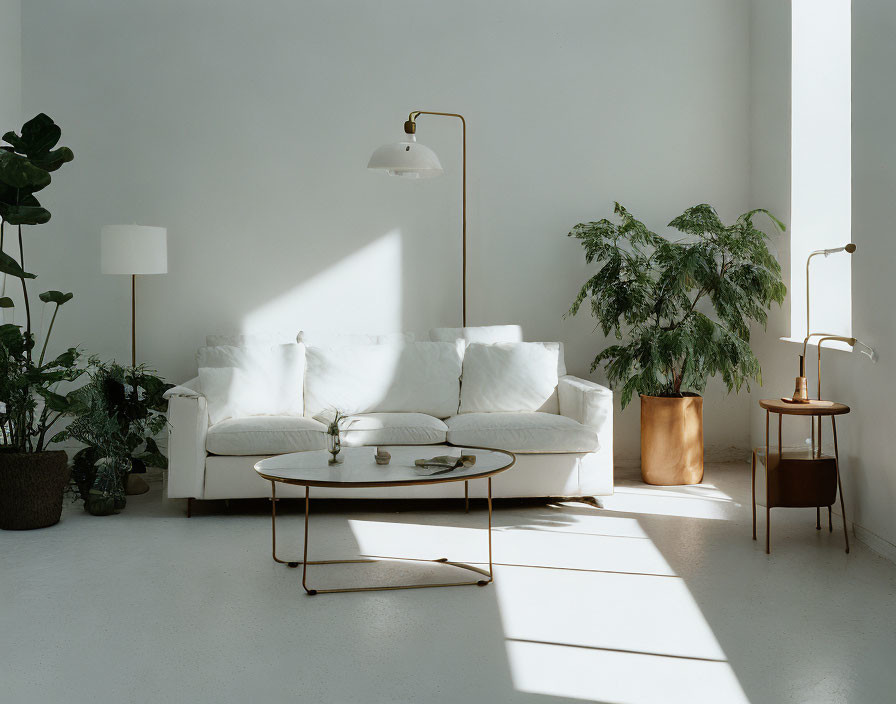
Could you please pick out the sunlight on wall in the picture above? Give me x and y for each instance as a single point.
(367, 282)
(821, 210)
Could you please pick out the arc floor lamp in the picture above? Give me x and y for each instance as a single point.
(410, 159)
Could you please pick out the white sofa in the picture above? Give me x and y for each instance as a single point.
(397, 391)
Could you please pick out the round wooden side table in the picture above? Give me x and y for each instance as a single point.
(800, 479)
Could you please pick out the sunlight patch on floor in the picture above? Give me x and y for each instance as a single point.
(701, 501)
(620, 677)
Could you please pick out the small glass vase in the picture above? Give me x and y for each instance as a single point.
(334, 446)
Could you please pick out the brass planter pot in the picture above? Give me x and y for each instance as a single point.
(31, 488)
(672, 440)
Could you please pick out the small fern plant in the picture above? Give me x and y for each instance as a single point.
(681, 308)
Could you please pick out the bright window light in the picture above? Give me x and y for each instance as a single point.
(820, 164)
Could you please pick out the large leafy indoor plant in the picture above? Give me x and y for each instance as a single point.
(32, 478)
(116, 416)
(681, 310)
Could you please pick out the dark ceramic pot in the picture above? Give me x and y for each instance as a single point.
(31, 488)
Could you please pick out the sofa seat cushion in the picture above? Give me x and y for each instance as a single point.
(265, 435)
(522, 432)
(393, 429)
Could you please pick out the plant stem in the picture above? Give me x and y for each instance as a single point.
(2, 235)
(25, 289)
(40, 360)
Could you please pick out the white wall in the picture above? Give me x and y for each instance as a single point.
(865, 449)
(10, 63)
(245, 129)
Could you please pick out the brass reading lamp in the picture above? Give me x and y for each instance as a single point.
(801, 393)
(410, 159)
(801, 390)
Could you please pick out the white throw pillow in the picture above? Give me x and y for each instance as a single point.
(231, 393)
(509, 377)
(414, 377)
(268, 380)
(490, 334)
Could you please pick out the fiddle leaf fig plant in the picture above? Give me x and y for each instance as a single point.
(681, 309)
(30, 398)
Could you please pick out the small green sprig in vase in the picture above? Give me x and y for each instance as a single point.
(334, 440)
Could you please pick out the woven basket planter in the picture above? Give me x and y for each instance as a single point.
(31, 488)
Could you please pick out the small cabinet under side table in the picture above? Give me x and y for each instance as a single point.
(800, 479)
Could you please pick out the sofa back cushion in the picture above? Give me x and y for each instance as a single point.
(254, 380)
(324, 338)
(509, 377)
(490, 334)
(485, 334)
(250, 339)
(411, 377)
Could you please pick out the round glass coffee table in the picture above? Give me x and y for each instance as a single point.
(359, 470)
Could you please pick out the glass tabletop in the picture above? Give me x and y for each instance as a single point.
(358, 468)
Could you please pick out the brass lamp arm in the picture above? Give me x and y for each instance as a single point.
(827, 336)
(410, 127)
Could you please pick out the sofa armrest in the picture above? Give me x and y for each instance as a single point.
(189, 389)
(187, 430)
(586, 402)
(592, 405)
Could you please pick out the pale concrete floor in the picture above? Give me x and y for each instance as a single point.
(659, 597)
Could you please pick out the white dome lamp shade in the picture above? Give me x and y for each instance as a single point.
(407, 158)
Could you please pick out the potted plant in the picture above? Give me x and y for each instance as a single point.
(116, 416)
(682, 311)
(32, 478)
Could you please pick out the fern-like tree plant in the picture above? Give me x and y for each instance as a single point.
(682, 308)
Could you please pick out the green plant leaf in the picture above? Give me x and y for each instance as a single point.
(57, 297)
(53, 401)
(10, 266)
(24, 214)
(39, 135)
(19, 172)
(54, 159)
(7, 302)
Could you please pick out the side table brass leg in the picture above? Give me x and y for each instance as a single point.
(839, 483)
(753, 488)
(466, 497)
(768, 515)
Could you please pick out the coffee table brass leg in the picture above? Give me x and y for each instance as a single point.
(442, 560)
(311, 592)
(274, 501)
(839, 483)
(466, 497)
(818, 518)
(830, 521)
